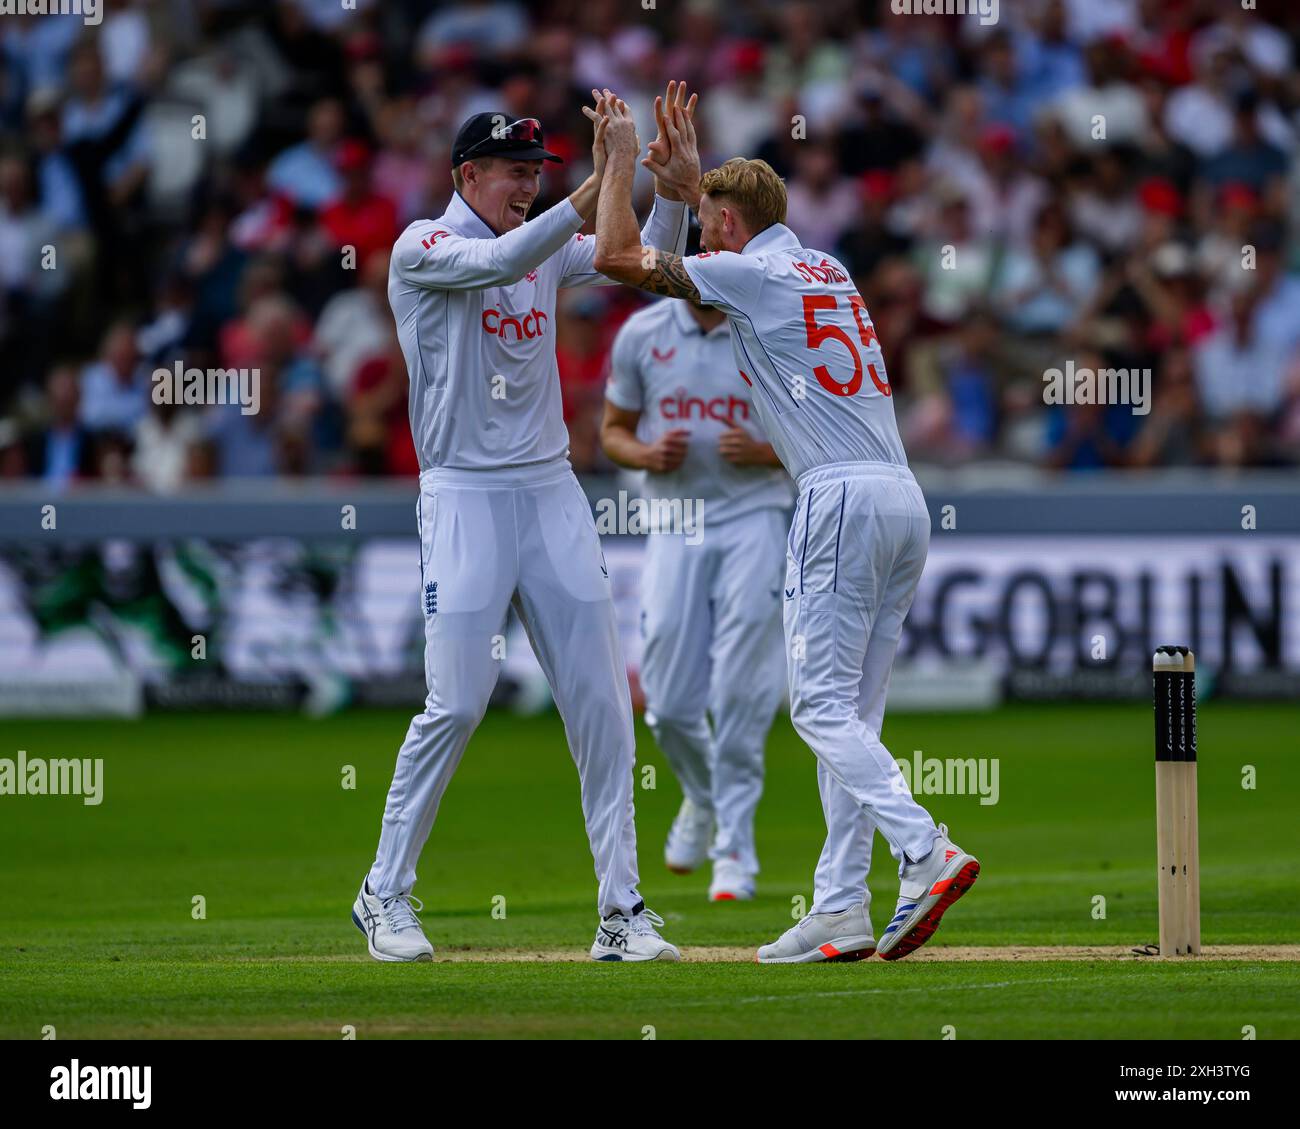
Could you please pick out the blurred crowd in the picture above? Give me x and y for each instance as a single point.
(1107, 183)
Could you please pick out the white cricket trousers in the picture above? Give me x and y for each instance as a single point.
(488, 539)
(856, 549)
(711, 626)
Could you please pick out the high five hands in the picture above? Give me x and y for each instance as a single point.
(673, 155)
(621, 141)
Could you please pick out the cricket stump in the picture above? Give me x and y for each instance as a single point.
(1177, 848)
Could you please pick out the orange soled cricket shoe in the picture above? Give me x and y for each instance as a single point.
(926, 891)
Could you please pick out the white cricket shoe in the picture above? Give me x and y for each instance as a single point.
(730, 882)
(926, 891)
(632, 938)
(688, 838)
(845, 935)
(392, 930)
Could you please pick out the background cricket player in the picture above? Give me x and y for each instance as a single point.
(804, 341)
(710, 596)
(502, 520)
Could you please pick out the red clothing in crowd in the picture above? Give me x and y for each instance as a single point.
(368, 224)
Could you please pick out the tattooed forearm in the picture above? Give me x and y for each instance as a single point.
(668, 276)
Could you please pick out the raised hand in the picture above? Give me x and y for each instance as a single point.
(598, 118)
(621, 140)
(674, 155)
(674, 97)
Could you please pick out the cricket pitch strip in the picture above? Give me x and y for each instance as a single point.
(732, 954)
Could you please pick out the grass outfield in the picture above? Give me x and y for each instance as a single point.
(97, 937)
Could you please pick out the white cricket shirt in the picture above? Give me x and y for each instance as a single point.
(803, 338)
(664, 365)
(475, 315)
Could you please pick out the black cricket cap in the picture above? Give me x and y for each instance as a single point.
(490, 135)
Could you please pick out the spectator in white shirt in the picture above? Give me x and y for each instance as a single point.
(1238, 367)
(1109, 109)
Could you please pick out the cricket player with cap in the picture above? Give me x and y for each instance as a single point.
(804, 342)
(502, 520)
(710, 591)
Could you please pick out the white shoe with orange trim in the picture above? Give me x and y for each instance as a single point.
(688, 838)
(926, 892)
(823, 936)
(731, 882)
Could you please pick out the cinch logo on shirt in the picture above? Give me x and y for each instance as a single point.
(497, 324)
(725, 409)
